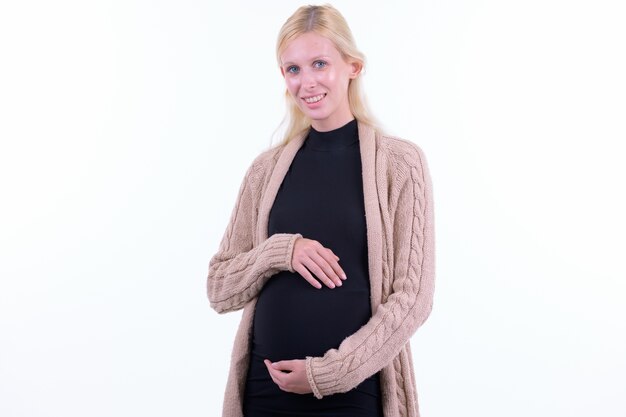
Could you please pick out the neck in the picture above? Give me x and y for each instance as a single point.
(332, 123)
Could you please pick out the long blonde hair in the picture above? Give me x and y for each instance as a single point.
(328, 22)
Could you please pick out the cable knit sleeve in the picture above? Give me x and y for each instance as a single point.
(411, 295)
(239, 269)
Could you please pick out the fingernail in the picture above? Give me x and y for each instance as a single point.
(343, 276)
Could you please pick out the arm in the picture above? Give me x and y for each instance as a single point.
(380, 340)
(238, 271)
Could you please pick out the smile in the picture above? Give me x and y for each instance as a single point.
(314, 99)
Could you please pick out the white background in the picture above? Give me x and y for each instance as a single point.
(126, 128)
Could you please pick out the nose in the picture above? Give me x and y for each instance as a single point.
(308, 79)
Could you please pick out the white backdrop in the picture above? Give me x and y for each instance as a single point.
(126, 128)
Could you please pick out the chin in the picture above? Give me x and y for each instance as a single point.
(314, 115)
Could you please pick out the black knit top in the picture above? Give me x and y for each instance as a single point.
(321, 197)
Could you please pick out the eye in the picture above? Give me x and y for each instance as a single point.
(319, 64)
(292, 69)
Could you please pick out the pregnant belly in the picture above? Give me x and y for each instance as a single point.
(293, 319)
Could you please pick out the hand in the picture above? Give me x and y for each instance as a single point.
(294, 380)
(308, 253)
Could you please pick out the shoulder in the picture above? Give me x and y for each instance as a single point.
(402, 155)
(267, 158)
(406, 172)
(263, 164)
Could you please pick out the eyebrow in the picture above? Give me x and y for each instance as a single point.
(312, 59)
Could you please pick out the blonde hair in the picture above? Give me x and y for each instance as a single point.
(328, 22)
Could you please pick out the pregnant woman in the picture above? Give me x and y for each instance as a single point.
(329, 249)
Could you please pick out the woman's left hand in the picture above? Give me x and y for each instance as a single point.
(289, 375)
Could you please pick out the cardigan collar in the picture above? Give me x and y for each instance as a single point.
(367, 148)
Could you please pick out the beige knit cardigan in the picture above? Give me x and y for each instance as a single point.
(401, 254)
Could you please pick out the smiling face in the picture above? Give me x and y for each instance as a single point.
(317, 79)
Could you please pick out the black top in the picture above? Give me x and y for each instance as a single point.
(321, 197)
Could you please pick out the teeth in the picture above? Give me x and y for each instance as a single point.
(314, 99)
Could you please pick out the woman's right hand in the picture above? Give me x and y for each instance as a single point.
(310, 255)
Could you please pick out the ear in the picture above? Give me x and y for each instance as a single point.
(356, 69)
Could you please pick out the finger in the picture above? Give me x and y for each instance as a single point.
(311, 264)
(324, 263)
(301, 269)
(335, 265)
(281, 379)
(274, 374)
(283, 365)
(339, 271)
(328, 250)
(332, 268)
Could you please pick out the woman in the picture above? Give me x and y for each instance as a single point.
(329, 249)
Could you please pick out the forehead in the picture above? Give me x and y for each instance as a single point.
(308, 46)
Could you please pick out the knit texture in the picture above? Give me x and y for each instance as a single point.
(401, 253)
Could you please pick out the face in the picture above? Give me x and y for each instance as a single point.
(317, 78)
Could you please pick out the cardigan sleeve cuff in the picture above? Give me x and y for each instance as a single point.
(309, 376)
(280, 250)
